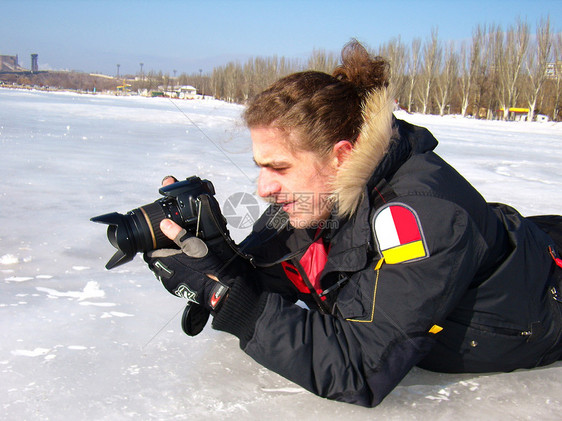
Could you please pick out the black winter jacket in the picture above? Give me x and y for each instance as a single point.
(466, 286)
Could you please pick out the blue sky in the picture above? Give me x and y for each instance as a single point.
(96, 35)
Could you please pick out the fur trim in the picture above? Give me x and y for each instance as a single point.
(368, 151)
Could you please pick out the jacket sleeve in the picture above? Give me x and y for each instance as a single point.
(380, 328)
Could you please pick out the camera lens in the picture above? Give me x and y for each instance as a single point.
(137, 231)
(148, 233)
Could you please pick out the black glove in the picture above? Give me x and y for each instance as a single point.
(192, 272)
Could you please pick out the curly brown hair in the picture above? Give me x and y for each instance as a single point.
(321, 109)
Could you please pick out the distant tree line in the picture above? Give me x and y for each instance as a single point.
(237, 82)
(484, 77)
(82, 82)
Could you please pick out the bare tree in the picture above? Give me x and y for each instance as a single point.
(446, 78)
(413, 69)
(470, 62)
(322, 61)
(495, 58)
(489, 80)
(255, 72)
(166, 81)
(395, 52)
(432, 55)
(235, 82)
(510, 62)
(557, 75)
(537, 62)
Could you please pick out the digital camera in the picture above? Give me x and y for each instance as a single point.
(189, 203)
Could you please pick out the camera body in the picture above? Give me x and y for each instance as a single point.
(189, 203)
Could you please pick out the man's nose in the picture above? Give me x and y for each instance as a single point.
(267, 185)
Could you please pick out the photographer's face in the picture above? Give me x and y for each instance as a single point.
(297, 180)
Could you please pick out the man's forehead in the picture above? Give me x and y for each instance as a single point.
(266, 153)
(272, 146)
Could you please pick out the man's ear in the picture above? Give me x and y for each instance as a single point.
(341, 151)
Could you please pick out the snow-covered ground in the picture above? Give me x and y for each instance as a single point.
(80, 342)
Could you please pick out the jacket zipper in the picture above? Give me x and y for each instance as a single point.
(341, 282)
(496, 330)
(317, 297)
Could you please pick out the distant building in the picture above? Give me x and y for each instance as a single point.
(10, 64)
(182, 92)
(186, 92)
(34, 65)
(554, 69)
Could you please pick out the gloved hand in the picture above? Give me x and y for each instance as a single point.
(192, 272)
(185, 272)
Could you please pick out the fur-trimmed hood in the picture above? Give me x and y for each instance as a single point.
(368, 151)
(384, 144)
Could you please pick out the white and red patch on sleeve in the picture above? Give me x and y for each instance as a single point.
(399, 234)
